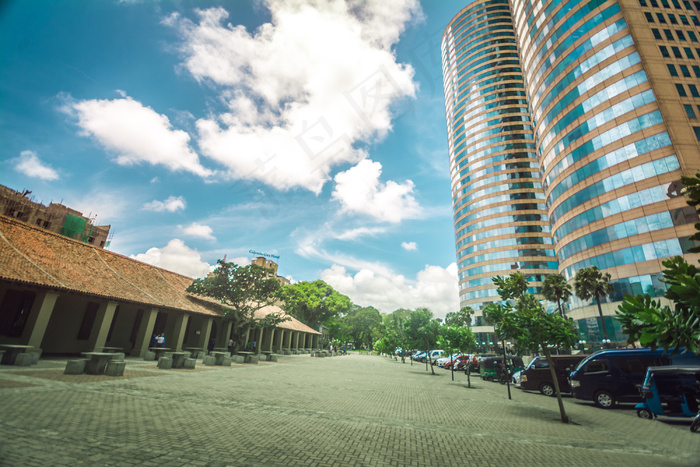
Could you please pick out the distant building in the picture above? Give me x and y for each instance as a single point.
(55, 217)
(269, 264)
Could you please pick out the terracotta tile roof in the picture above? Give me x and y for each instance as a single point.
(38, 257)
(293, 324)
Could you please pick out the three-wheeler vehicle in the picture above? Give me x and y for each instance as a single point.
(670, 391)
(493, 369)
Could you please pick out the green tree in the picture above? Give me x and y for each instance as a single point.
(422, 331)
(313, 303)
(457, 339)
(591, 283)
(363, 325)
(692, 192)
(242, 290)
(527, 324)
(672, 328)
(555, 289)
(463, 317)
(512, 287)
(393, 323)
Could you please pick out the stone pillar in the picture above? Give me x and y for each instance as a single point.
(314, 339)
(258, 337)
(144, 333)
(296, 340)
(178, 336)
(100, 329)
(205, 332)
(225, 334)
(38, 319)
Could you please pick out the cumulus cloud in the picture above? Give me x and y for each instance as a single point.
(176, 257)
(199, 230)
(360, 191)
(434, 288)
(135, 133)
(409, 246)
(171, 204)
(30, 165)
(300, 91)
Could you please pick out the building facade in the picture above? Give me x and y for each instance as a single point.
(611, 92)
(55, 217)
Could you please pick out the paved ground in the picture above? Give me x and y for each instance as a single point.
(340, 411)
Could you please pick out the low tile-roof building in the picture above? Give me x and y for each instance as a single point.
(67, 297)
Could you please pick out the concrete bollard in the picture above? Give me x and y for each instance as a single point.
(75, 367)
(165, 363)
(208, 360)
(190, 363)
(117, 368)
(24, 359)
(149, 356)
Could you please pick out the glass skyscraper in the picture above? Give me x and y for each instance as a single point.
(569, 126)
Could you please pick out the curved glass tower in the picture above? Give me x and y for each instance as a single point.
(612, 91)
(500, 217)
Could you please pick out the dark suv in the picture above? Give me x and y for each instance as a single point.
(537, 377)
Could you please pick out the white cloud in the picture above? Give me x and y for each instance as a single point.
(409, 246)
(360, 191)
(171, 204)
(354, 234)
(434, 288)
(30, 165)
(301, 90)
(198, 230)
(136, 134)
(176, 257)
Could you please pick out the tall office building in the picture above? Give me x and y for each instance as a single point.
(611, 89)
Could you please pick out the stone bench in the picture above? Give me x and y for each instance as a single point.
(238, 359)
(149, 356)
(190, 363)
(24, 359)
(251, 359)
(208, 360)
(75, 367)
(115, 368)
(118, 357)
(165, 363)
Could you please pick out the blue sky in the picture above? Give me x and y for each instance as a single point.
(312, 130)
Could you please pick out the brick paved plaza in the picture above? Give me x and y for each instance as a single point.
(343, 411)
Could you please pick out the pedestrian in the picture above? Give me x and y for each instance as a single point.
(160, 340)
(154, 340)
(230, 345)
(254, 345)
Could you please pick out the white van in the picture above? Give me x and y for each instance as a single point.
(435, 354)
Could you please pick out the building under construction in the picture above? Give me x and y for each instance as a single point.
(55, 217)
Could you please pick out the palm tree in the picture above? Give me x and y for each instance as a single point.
(591, 283)
(555, 289)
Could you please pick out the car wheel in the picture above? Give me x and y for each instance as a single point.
(547, 389)
(644, 413)
(604, 399)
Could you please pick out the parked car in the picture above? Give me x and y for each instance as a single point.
(442, 361)
(537, 377)
(419, 356)
(458, 362)
(489, 366)
(611, 376)
(434, 355)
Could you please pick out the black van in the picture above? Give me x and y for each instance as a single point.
(611, 376)
(537, 377)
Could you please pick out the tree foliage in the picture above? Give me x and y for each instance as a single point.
(457, 339)
(422, 331)
(242, 290)
(657, 325)
(555, 289)
(590, 283)
(512, 287)
(313, 303)
(363, 324)
(463, 317)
